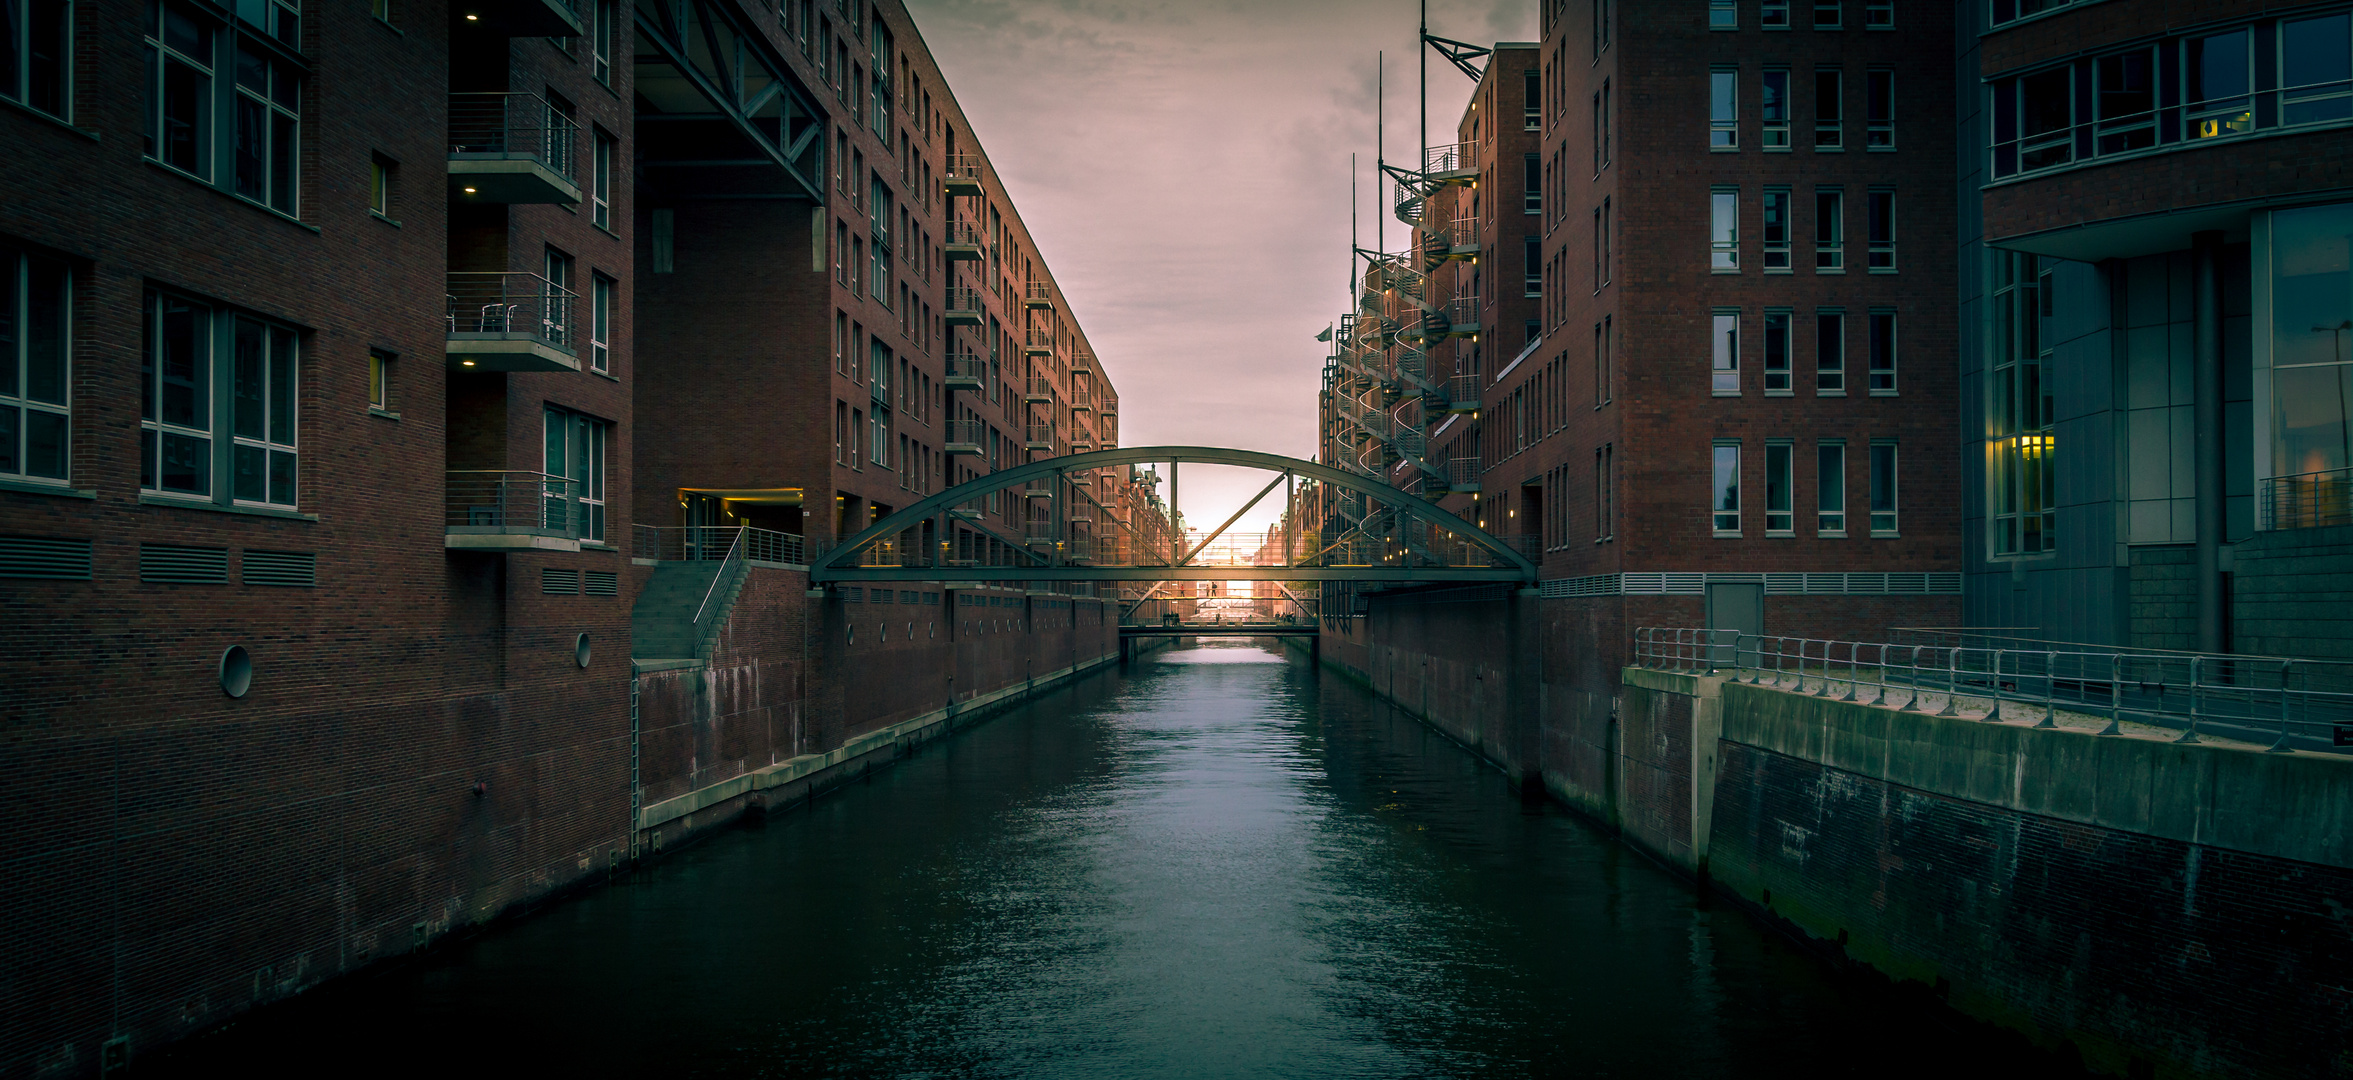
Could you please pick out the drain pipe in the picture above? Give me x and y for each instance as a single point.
(2206, 369)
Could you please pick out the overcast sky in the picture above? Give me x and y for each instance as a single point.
(1184, 169)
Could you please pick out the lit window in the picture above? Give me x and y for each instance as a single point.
(35, 371)
(379, 382)
(2220, 74)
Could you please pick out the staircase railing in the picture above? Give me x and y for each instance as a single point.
(727, 569)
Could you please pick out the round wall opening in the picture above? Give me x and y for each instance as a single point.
(580, 650)
(236, 671)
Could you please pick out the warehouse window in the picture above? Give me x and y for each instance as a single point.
(36, 55)
(35, 423)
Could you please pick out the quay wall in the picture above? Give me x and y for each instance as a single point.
(2146, 907)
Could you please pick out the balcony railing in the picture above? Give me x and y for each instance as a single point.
(488, 131)
(1039, 294)
(1038, 390)
(509, 322)
(968, 436)
(964, 240)
(491, 503)
(1082, 360)
(968, 371)
(1040, 437)
(1462, 474)
(1451, 161)
(1110, 406)
(962, 175)
(710, 543)
(1082, 396)
(1038, 342)
(964, 306)
(2307, 500)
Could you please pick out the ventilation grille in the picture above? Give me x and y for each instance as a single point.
(290, 569)
(603, 583)
(185, 565)
(556, 582)
(1942, 583)
(44, 557)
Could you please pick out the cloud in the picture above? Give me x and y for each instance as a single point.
(1184, 170)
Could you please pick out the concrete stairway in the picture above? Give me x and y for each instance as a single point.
(662, 624)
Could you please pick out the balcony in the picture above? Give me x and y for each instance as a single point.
(2312, 500)
(524, 18)
(509, 322)
(1462, 474)
(1462, 316)
(967, 371)
(1451, 163)
(1081, 442)
(1037, 342)
(1082, 360)
(962, 176)
(1110, 406)
(1039, 437)
(964, 241)
(1038, 489)
(1039, 391)
(1082, 398)
(512, 148)
(967, 437)
(1038, 297)
(506, 510)
(1462, 393)
(964, 307)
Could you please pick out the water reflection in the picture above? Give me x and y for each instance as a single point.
(1216, 863)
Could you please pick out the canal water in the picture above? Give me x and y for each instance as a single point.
(1214, 863)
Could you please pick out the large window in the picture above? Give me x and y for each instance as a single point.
(575, 465)
(1879, 221)
(2018, 408)
(1777, 378)
(1882, 349)
(1830, 487)
(1724, 351)
(1829, 231)
(35, 372)
(1829, 114)
(185, 53)
(1830, 351)
(2311, 353)
(1724, 230)
(1883, 487)
(1724, 109)
(36, 54)
(1776, 107)
(1776, 221)
(1780, 497)
(191, 349)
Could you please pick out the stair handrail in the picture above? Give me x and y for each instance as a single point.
(734, 556)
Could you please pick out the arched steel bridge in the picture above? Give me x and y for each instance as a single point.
(1342, 527)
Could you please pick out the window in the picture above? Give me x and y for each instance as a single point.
(1883, 487)
(2124, 93)
(179, 90)
(1532, 190)
(1724, 230)
(1604, 519)
(1827, 14)
(841, 345)
(1603, 128)
(269, 104)
(2008, 10)
(1879, 220)
(2316, 69)
(2020, 408)
(1882, 350)
(262, 413)
(1776, 215)
(608, 20)
(600, 322)
(1775, 91)
(1830, 351)
(2219, 73)
(380, 186)
(1725, 503)
(1830, 487)
(841, 247)
(601, 183)
(35, 422)
(1879, 109)
(175, 434)
(1777, 377)
(878, 439)
(1773, 14)
(1601, 26)
(379, 382)
(1829, 84)
(2032, 122)
(1601, 362)
(1878, 14)
(575, 467)
(1780, 505)
(1829, 231)
(1724, 109)
(1532, 101)
(1723, 14)
(842, 451)
(36, 54)
(1724, 351)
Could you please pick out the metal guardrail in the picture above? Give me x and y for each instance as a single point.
(697, 543)
(965, 367)
(510, 125)
(498, 306)
(964, 301)
(1451, 158)
(968, 433)
(963, 167)
(514, 501)
(727, 567)
(2307, 500)
(2297, 704)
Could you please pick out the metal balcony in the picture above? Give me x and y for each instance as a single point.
(1038, 489)
(1038, 297)
(1038, 391)
(964, 241)
(1110, 406)
(967, 371)
(1462, 474)
(1462, 393)
(2311, 500)
(964, 307)
(523, 18)
(1082, 360)
(1462, 316)
(1082, 397)
(1081, 442)
(512, 148)
(1451, 163)
(510, 322)
(962, 176)
(509, 509)
(1037, 342)
(967, 437)
(1039, 437)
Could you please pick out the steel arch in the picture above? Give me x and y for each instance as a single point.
(840, 564)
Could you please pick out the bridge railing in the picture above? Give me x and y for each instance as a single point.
(2294, 704)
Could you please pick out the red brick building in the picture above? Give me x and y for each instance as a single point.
(359, 369)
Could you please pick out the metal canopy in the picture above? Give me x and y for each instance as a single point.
(843, 564)
(718, 111)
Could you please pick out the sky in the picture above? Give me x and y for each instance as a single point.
(1184, 170)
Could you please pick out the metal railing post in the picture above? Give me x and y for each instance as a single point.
(1854, 687)
(1912, 677)
(2115, 695)
(2282, 747)
(1993, 714)
(2050, 690)
(1952, 679)
(2191, 735)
